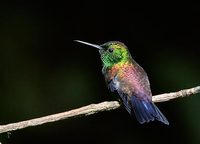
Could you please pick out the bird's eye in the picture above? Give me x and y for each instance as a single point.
(110, 50)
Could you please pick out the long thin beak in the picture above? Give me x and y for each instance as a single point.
(86, 43)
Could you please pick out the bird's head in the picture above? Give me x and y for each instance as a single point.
(112, 52)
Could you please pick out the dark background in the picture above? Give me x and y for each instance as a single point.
(43, 71)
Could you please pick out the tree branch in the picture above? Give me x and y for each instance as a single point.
(91, 109)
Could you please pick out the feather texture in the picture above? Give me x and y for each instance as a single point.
(132, 84)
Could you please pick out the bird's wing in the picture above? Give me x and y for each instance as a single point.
(138, 81)
(130, 81)
(132, 84)
(136, 102)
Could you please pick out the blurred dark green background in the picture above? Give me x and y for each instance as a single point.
(42, 71)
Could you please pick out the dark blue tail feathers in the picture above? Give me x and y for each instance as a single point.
(146, 111)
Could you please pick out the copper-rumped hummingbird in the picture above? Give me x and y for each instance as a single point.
(124, 75)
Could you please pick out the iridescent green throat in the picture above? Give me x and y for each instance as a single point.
(119, 55)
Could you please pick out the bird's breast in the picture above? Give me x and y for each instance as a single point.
(131, 80)
(122, 77)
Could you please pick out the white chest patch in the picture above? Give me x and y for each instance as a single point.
(116, 83)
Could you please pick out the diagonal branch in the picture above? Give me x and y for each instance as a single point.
(91, 109)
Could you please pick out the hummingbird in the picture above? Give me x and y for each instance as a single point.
(124, 75)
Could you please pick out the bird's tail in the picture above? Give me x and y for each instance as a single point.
(146, 111)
